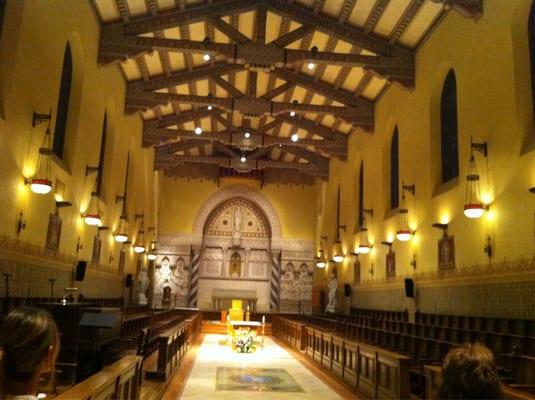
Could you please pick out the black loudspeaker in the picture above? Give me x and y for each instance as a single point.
(409, 287)
(80, 270)
(129, 280)
(347, 289)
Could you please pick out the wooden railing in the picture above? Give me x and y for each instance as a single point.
(374, 371)
(120, 380)
(172, 345)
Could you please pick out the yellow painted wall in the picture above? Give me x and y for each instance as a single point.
(35, 33)
(491, 62)
(181, 199)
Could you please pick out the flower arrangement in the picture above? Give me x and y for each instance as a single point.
(244, 341)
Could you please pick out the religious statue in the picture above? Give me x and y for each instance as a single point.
(333, 287)
(236, 236)
(235, 266)
(143, 286)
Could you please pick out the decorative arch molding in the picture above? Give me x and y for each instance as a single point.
(245, 192)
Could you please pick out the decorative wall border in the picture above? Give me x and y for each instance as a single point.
(245, 192)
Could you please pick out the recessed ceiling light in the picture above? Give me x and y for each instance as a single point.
(210, 108)
(247, 135)
(295, 137)
(243, 159)
(198, 130)
(292, 113)
(206, 57)
(311, 65)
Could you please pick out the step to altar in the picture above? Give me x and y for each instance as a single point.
(221, 328)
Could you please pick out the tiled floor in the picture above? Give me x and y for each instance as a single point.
(201, 383)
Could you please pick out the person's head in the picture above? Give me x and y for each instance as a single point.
(29, 345)
(468, 372)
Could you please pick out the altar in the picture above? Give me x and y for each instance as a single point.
(222, 298)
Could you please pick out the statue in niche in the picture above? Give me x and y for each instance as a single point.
(235, 266)
(333, 287)
(236, 237)
(143, 286)
(166, 301)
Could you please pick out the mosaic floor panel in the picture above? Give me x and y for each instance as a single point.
(270, 373)
(256, 379)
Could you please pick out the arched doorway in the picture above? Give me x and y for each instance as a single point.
(235, 257)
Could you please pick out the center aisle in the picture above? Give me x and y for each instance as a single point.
(269, 373)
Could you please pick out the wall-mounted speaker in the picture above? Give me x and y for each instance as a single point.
(347, 289)
(409, 287)
(80, 270)
(129, 280)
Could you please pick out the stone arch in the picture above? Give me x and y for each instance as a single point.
(241, 191)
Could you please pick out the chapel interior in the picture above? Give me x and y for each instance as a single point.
(270, 199)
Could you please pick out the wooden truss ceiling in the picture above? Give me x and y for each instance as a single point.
(252, 73)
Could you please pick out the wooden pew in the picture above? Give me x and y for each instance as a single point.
(120, 380)
(172, 345)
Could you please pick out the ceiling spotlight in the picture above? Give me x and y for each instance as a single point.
(198, 130)
(210, 108)
(206, 57)
(292, 113)
(295, 137)
(311, 65)
(247, 135)
(243, 159)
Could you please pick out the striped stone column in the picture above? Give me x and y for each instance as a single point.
(275, 281)
(195, 258)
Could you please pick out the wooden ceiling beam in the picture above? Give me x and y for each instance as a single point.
(228, 30)
(227, 86)
(293, 36)
(278, 90)
(467, 8)
(194, 13)
(247, 105)
(181, 118)
(333, 27)
(182, 77)
(399, 67)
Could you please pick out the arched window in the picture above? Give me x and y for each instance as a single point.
(58, 146)
(361, 195)
(394, 170)
(531, 39)
(448, 129)
(102, 154)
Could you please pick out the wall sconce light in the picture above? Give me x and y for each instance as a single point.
(388, 244)
(152, 252)
(473, 207)
(413, 261)
(487, 247)
(21, 223)
(364, 245)
(92, 214)
(79, 245)
(404, 233)
(338, 252)
(320, 260)
(122, 232)
(40, 182)
(139, 245)
(438, 225)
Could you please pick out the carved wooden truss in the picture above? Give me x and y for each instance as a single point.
(258, 146)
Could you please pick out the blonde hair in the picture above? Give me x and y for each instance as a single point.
(26, 335)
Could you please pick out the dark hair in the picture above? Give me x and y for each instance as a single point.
(26, 335)
(468, 372)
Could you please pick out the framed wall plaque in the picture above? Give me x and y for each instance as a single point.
(122, 257)
(446, 252)
(391, 264)
(356, 272)
(97, 248)
(53, 235)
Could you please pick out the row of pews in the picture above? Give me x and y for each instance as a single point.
(152, 344)
(382, 354)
